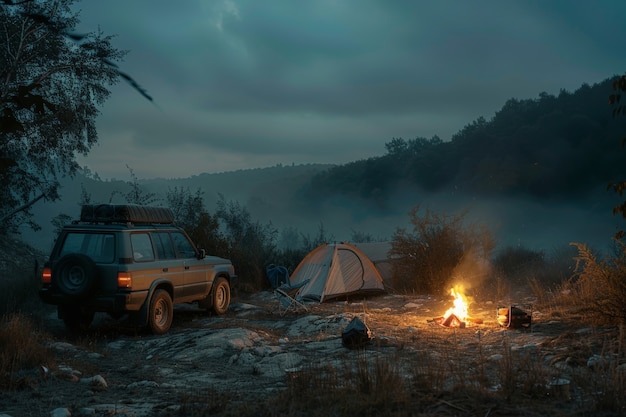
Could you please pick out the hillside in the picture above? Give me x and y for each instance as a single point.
(536, 174)
(554, 148)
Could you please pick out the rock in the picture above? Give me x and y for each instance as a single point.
(595, 361)
(65, 372)
(60, 412)
(94, 355)
(63, 347)
(86, 411)
(96, 381)
(143, 384)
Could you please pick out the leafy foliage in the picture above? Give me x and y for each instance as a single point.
(552, 147)
(137, 194)
(50, 90)
(427, 257)
(250, 243)
(294, 246)
(619, 187)
(203, 228)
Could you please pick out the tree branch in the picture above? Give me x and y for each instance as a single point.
(21, 208)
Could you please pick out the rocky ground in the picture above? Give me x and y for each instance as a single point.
(253, 351)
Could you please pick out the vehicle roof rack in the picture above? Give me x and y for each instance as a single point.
(125, 213)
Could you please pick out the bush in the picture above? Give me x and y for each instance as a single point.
(598, 287)
(427, 259)
(20, 266)
(251, 244)
(21, 347)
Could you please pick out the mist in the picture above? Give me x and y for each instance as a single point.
(273, 195)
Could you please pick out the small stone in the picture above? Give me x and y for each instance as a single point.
(60, 412)
(96, 381)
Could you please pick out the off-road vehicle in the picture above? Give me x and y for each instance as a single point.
(129, 259)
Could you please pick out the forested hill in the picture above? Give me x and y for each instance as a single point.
(559, 148)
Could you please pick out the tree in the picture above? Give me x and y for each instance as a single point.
(50, 89)
(619, 187)
(136, 194)
(190, 213)
(251, 244)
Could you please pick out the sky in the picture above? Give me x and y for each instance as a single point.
(243, 84)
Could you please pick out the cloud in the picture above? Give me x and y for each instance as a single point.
(332, 81)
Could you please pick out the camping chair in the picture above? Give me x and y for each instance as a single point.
(287, 300)
(277, 275)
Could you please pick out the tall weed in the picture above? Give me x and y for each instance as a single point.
(598, 287)
(21, 347)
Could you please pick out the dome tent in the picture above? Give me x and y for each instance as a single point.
(334, 271)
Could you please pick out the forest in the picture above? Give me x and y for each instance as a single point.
(556, 148)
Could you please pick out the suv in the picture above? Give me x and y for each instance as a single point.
(131, 259)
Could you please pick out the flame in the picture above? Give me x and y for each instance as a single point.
(460, 309)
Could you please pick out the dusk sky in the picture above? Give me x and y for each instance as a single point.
(241, 84)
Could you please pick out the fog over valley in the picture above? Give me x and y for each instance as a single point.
(533, 224)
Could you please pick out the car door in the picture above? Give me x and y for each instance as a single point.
(144, 267)
(196, 270)
(170, 266)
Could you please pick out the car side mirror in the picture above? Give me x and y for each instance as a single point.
(201, 253)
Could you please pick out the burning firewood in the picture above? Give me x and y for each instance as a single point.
(458, 315)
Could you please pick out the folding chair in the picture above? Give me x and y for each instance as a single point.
(287, 300)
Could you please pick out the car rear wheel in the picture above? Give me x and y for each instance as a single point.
(75, 275)
(221, 295)
(161, 312)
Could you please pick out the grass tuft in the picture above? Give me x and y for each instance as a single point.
(22, 347)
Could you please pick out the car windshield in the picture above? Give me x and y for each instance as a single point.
(98, 246)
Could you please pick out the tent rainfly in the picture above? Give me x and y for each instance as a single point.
(336, 270)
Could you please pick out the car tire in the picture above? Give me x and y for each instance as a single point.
(76, 319)
(161, 312)
(75, 275)
(221, 295)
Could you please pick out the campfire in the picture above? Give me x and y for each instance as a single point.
(458, 314)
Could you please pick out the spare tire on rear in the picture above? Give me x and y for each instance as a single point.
(75, 275)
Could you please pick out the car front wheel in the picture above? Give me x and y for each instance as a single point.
(161, 312)
(221, 295)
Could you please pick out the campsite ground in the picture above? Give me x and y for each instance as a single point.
(257, 361)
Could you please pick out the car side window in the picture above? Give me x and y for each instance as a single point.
(163, 244)
(183, 245)
(142, 247)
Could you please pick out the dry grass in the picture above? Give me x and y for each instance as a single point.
(196, 403)
(20, 268)
(22, 347)
(426, 371)
(598, 288)
(445, 381)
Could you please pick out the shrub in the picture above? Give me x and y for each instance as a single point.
(20, 266)
(427, 258)
(21, 347)
(520, 268)
(598, 286)
(251, 244)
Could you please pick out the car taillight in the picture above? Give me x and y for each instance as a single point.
(46, 276)
(124, 280)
